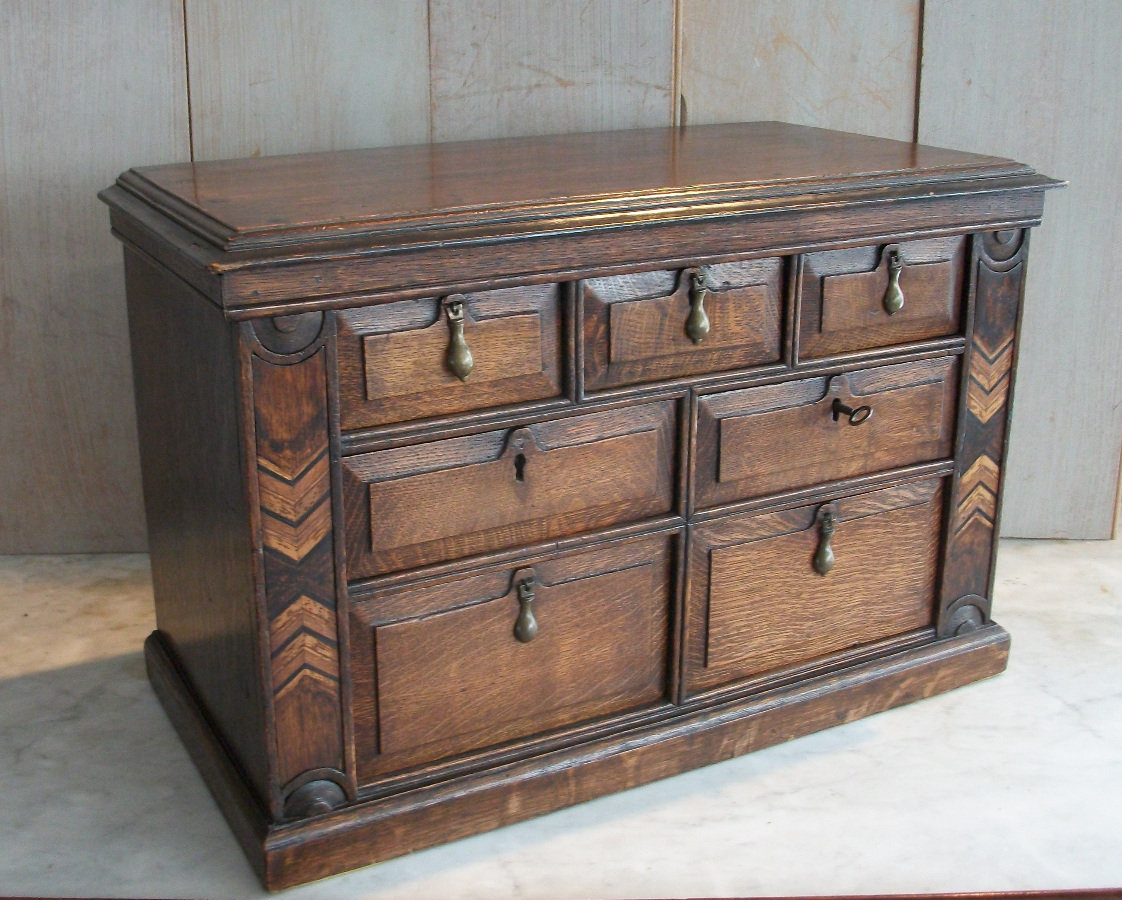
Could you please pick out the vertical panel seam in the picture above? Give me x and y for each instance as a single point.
(919, 72)
(428, 49)
(187, 78)
(676, 66)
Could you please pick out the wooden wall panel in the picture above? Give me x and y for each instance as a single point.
(845, 64)
(510, 67)
(86, 90)
(291, 76)
(1040, 82)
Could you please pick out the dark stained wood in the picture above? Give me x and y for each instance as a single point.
(398, 606)
(967, 590)
(843, 296)
(243, 202)
(185, 370)
(463, 496)
(778, 437)
(634, 325)
(390, 827)
(392, 358)
(755, 602)
(294, 492)
(602, 647)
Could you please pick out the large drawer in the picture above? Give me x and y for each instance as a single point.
(394, 358)
(448, 499)
(779, 437)
(846, 304)
(493, 657)
(637, 327)
(756, 602)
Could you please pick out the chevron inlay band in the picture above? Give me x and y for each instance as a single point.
(294, 486)
(970, 549)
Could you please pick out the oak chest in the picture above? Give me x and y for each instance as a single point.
(486, 478)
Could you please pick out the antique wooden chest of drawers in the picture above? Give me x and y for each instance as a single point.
(483, 479)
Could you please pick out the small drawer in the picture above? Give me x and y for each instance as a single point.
(638, 327)
(757, 602)
(396, 359)
(796, 434)
(500, 489)
(847, 303)
(494, 657)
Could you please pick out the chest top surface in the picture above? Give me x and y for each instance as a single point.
(246, 203)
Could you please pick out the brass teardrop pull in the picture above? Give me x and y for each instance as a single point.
(697, 323)
(459, 357)
(526, 628)
(824, 555)
(893, 296)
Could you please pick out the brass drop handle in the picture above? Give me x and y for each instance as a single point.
(824, 555)
(856, 416)
(526, 628)
(697, 323)
(459, 357)
(893, 296)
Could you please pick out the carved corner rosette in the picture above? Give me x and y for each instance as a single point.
(964, 615)
(287, 340)
(314, 793)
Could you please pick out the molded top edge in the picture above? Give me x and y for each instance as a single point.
(277, 201)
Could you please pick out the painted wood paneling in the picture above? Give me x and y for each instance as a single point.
(844, 64)
(292, 76)
(502, 68)
(1040, 81)
(86, 90)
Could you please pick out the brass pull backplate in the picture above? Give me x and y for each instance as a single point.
(697, 323)
(893, 296)
(459, 356)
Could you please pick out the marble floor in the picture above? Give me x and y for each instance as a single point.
(1013, 783)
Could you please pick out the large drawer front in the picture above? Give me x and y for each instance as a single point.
(844, 295)
(441, 670)
(780, 437)
(449, 499)
(756, 603)
(635, 326)
(393, 358)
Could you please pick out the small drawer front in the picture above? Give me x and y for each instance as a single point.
(847, 303)
(638, 327)
(757, 603)
(780, 437)
(459, 497)
(395, 360)
(447, 669)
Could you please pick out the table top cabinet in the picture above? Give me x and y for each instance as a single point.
(486, 478)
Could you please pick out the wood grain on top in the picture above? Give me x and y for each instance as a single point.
(260, 201)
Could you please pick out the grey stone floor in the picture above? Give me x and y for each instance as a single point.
(1012, 783)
